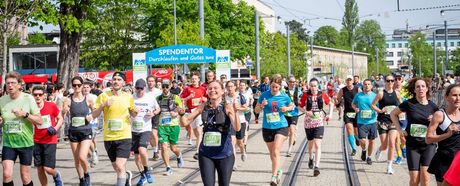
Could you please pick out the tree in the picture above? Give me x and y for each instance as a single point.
(297, 28)
(369, 38)
(350, 20)
(421, 54)
(326, 36)
(456, 60)
(38, 38)
(13, 13)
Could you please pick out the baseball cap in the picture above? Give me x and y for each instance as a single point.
(349, 77)
(120, 74)
(140, 83)
(166, 82)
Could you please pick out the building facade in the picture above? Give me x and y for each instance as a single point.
(266, 13)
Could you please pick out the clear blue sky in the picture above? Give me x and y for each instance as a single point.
(384, 11)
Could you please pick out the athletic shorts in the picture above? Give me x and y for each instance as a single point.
(417, 156)
(384, 127)
(45, 155)
(25, 154)
(118, 149)
(240, 134)
(155, 121)
(269, 134)
(292, 120)
(140, 139)
(314, 133)
(367, 131)
(347, 119)
(169, 134)
(79, 135)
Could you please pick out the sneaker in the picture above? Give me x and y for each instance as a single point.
(316, 171)
(293, 143)
(279, 174)
(195, 156)
(58, 179)
(95, 158)
(403, 152)
(142, 180)
(288, 154)
(369, 161)
(180, 162)
(189, 142)
(398, 160)
(235, 168)
(244, 156)
(363, 155)
(129, 176)
(82, 181)
(168, 171)
(377, 155)
(353, 152)
(87, 179)
(155, 156)
(310, 163)
(390, 170)
(274, 181)
(149, 177)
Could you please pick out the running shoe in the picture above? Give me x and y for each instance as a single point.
(129, 176)
(82, 181)
(404, 152)
(363, 155)
(274, 181)
(316, 171)
(142, 180)
(310, 163)
(195, 156)
(288, 154)
(58, 179)
(168, 171)
(155, 156)
(95, 157)
(398, 160)
(390, 170)
(377, 155)
(180, 162)
(353, 152)
(244, 156)
(278, 176)
(149, 177)
(189, 142)
(235, 168)
(369, 161)
(87, 179)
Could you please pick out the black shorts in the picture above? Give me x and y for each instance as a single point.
(315, 133)
(155, 121)
(118, 149)
(269, 134)
(367, 131)
(417, 156)
(141, 139)
(384, 127)
(346, 120)
(25, 154)
(292, 120)
(240, 134)
(79, 135)
(45, 155)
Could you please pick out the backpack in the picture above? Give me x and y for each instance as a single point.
(296, 95)
(170, 102)
(319, 100)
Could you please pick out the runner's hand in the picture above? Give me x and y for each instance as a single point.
(264, 102)
(89, 117)
(453, 128)
(430, 117)
(149, 115)
(173, 114)
(18, 112)
(180, 111)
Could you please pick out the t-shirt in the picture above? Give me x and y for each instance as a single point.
(366, 114)
(49, 114)
(155, 92)
(116, 117)
(95, 121)
(273, 118)
(145, 104)
(165, 115)
(17, 131)
(248, 95)
(239, 101)
(451, 176)
(196, 100)
(417, 120)
(294, 112)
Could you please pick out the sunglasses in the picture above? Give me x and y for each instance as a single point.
(76, 85)
(164, 86)
(38, 94)
(390, 81)
(139, 88)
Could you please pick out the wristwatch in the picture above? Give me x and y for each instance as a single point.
(26, 116)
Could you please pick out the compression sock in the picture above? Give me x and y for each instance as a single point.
(146, 169)
(121, 182)
(351, 140)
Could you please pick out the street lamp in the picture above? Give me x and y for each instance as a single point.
(257, 40)
(442, 12)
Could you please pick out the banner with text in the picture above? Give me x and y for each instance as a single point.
(223, 63)
(139, 67)
(179, 54)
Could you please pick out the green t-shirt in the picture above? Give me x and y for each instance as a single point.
(17, 131)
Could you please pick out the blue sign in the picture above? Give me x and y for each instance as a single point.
(178, 54)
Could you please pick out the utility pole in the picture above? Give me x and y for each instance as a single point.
(257, 44)
(175, 39)
(445, 46)
(201, 17)
(434, 54)
(377, 59)
(288, 49)
(353, 59)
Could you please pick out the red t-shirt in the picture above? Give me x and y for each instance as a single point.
(452, 175)
(49, 113)
(303, 100)
(199, 91)
(330, 89)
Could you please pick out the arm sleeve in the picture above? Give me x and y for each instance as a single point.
(55, 110)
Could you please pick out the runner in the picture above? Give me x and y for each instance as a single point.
(294, 93)
(347, 94)
(247, 93)
(255, 94)
(451, 176)
(216, 151)
(169, 128)
(419, 112)
(118, 106)
(444, 130)
(265, 86)
(275, 127)
(357, 82)
(210, 77)
(338, 85)
(192, 95)
(94, 125)
(141, 127)
(154, 92)
(45, 138)
(80, 131)
(366, 119)
(18, 112)
(401, 140)
(387, 100)
(314, 121)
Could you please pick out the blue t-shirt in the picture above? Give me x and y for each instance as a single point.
(264, 87)
(366, 115)
(273, 118)
(294, 112)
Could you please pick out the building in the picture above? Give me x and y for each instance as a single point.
(398, 51)
(34, 59)
(266, 13)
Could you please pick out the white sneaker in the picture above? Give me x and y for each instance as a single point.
(390, 170)
(377, 155)
(95, 158)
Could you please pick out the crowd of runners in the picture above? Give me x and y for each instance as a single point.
(150, 114)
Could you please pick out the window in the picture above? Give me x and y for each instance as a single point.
(406, 45)
(458, 44)
(35, 60)
(388, 45)
(390, 54)
(439, 44)
(399, 45)
(451, 44)
(431, 43)
(399, 54)
(399, 62)
(393, 45)
(390, 63)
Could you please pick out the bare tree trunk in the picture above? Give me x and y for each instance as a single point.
(5, 57)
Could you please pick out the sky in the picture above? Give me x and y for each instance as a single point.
(330, 12)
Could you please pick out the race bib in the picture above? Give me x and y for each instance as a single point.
(78, 121)
(366, 114)
(46, 122)
(138, 125)
(389, 109)
(402, 116)
(351, 114)
(115, 124)
(13, 127)
(212, 139)
(418, 130)
(273, 117)
(316, 116)
(196, 101)
(166, 119)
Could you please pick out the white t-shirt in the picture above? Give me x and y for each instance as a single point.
(145, 104)
(93, 97)
(155, 92)
(236, 100)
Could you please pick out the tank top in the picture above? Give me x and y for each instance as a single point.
(389, 100)
(348, 96)
(216, 122)
(78, 112)
(452, 143)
